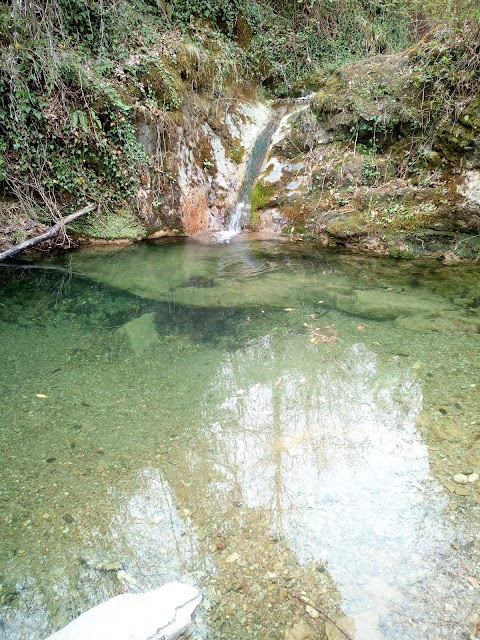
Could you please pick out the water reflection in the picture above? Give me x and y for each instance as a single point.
(328, 446)
(156, 540)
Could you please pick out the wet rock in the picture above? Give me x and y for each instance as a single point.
(339, 628)
(126, 578)
(232, 558)
(141, 332)
(299, 631)
(462, 490)
(272, 220)
(312, 612)
(379, 304)
(441, 321)
(468, 216)
(460, 478)
(163, 614)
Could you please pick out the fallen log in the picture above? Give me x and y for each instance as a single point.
(48, 234)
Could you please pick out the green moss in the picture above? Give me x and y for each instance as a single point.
(399, 216)
(395, 251)
(237, 153)
(347, 225)
(109, 226)
(161, 82)
(254, 221)
(261, 196)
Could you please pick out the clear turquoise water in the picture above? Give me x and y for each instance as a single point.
(193, 428)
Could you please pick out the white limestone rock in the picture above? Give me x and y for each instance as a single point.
(163, 614)
(468, 211)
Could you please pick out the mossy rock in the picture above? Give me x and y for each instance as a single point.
(362, 97)
(109, 225)
(463, 136)
(347, 225)
(262, 196)
(237, 153)
(162, 82)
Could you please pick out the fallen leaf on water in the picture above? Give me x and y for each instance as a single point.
(324, 334)
(290, 309)
(361, 326)
(41, 395)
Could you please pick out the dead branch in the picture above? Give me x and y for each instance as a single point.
(321, 612)
(48, 234)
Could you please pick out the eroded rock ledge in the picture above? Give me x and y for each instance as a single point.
(386, 157)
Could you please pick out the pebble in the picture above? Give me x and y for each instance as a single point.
(125, 577)
(299, 631)
(460, 478)
(462, 491)
(232, 558)
(473, 477)
(313, 613)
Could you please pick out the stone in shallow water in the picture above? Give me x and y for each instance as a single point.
(141, 332)
(299, 631)
(339, 628)
(460, 478)
(163, 614)
(380, 304)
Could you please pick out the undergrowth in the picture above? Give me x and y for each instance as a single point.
(73, 74)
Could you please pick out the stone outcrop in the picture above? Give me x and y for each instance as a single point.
(163, 614)
(201, 165)
(384, 158)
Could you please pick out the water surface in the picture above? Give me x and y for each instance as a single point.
(275, 423)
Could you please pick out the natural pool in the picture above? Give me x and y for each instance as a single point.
(274, 422)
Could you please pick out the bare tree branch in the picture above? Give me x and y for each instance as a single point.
(48, 234)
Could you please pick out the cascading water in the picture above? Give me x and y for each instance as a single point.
(242, 208)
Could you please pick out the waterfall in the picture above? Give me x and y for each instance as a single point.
(240, 212)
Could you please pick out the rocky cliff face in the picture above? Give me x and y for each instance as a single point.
(386, 156)
(201, 169)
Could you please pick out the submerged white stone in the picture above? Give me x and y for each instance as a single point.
(163, 614)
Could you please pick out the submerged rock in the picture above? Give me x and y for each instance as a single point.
(163, 614)
(379, 304)
(141, 332)
(299, 631)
